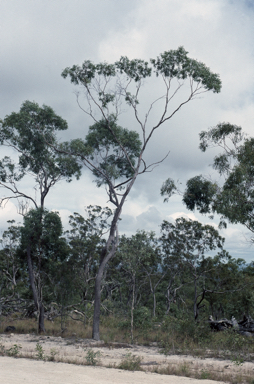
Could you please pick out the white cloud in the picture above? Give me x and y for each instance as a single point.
(113, 48)
(9, 212)
(207, 11)
(177, 215)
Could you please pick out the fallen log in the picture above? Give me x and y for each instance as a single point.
(244, 326)
(220, 325)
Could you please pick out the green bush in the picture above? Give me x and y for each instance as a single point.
(142, 318)
(93, 358)
(40, 352)
(131, 363)
(14, 351)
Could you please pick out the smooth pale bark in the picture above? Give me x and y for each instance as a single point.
(106, 254)
(97, 292)
(97, 304)
(195, 308)
(132, 309)
(38, 303)
(153, 290)
(154, 304)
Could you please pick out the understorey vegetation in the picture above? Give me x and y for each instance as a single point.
(154, 283)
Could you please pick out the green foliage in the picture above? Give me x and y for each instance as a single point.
(135, 69)
(185, 327)
(112, 152)
(123, 145)
(41, 239)
(138, 249)
(205, 375)
(189, 239)
(11, 269)
(137, 257)
(53, 353)
(85, 240)
(237, 360)
(29, 131)
(187, 242)
(32, 134)
(40, 354)
(179, 261)
(199, 194)
(115, 155)
(168, 189)
(2, 349)
(142, 317)
(93, 358)
(234, 199)
(109, 150)
(131, 363)
(42, 231)
(14, 350)
(170, 64)
(219, 134)
(175, 63)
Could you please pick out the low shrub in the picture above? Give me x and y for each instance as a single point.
(131, 363)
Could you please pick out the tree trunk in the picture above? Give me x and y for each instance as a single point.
(154, 304)
(41, 327)
(195, 300)
(106, 254)
(38, 304)
(97, 304)
(132, 308)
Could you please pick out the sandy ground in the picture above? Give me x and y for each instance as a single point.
(17, 371)
(27, 370)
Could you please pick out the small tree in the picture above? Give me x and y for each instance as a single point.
(9, 262)
(13, 277)
(42, 245)
(175, 271)
(137, 257)
(190, 241)
(223, 282)
(116, 155)
(85, 242)
(27, 133)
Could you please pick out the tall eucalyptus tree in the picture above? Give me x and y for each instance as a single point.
(116, 155)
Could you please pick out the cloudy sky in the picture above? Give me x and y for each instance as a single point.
(39, 38)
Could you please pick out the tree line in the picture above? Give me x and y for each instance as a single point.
(173, 274)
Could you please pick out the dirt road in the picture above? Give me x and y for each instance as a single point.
(69, 357)
(27, 371)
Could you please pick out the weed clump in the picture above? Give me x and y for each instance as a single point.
(93, 358)
(131, 363)
(40, 352)
(14, 350)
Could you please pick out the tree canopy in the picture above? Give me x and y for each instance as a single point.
(31, 132)
(232, 198)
